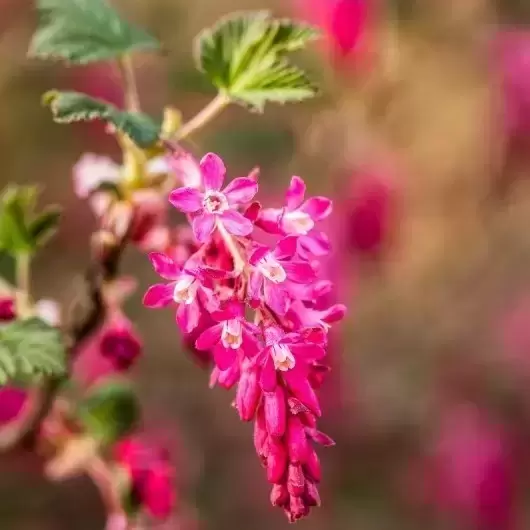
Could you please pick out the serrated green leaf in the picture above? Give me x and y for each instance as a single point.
(85, 31)
(244, 56)
(28, 348)
(44, 226)
(110, 411)
(69, 107)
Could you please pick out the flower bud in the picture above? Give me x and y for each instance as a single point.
(275, 412)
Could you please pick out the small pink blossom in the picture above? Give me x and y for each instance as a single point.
(120, 344)
(298, 218)
(152, 476)
(91, 171)
(185, 289)
(7, 309)
(274, 270)
(230, 335)
(213, 205)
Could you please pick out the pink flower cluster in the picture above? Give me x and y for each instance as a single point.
(259, 311)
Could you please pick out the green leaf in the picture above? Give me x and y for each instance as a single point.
(44, 226)
(110, 411)
(69, 107)
(245, 57)
(16, 205)
(85, 31)
(28, 348)
(21, 229)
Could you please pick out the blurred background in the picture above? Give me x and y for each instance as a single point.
(422, 137)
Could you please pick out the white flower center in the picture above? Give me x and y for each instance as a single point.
(297, 223)
(232, 334)
(283, 358)
(215, 202)
(185, 289)
(271, 269)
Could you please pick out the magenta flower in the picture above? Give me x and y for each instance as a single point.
(214, 206)
(273, 271)
(12, 400)
(151, 474)
(230, 335)
(298, 218)
(185, 289)
(344, 23)
(7, 309)
(120, 344)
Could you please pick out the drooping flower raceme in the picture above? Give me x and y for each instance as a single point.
(258, 311)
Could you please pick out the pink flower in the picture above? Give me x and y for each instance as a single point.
(273, 271)
(230, 335)
(185, 289)
(91, 171)
(11, 402)
(511, 54)
(151, 474)
(214, 206)
(298, 218)
(368, 212)
(343, 21)
(7, 309)
(120, 344)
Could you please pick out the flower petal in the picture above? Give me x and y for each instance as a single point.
(300, 387)
(236, 223)
(186, 199)
(209, 338)
(309, 352)
(299, 271)
(295, 193)
(164, 266)
(241, 190)
(224, 357)
(286, 247)
(213, 171)
(317, 208)
(269, 220)
(267, 378)
(187, 316)
(315, 243)
(254, 286)
(159, 295)
(203, 226)
(276, 298)
(186, 169)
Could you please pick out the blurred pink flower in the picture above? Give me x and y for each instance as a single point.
(344, 23)
(474, 473)
(11, 402)
(512, 56)
(368, 211)
(152, 476)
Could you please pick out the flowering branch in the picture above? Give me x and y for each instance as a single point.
(217, 271)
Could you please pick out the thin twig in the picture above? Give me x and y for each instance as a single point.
(23, 262)
(130, 89)
(207, 114)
